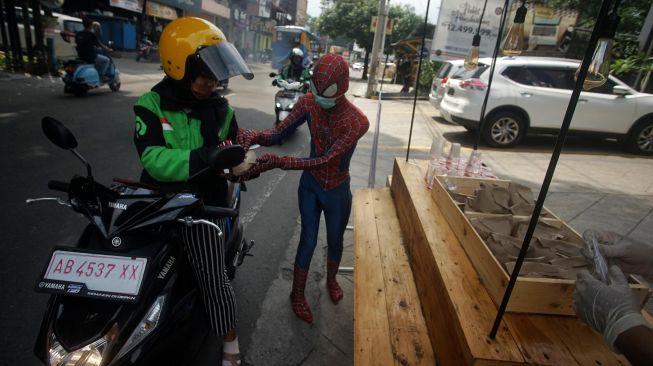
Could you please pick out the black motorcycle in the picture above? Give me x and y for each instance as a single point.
(125, 293)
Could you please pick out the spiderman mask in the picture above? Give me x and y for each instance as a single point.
(330, 80)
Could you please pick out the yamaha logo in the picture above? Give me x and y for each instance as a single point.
(116, 241)
(120, 206)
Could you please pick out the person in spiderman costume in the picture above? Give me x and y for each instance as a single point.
(335, 126)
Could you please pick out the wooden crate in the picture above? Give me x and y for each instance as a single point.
(530, 295)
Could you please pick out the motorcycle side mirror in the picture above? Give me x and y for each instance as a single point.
(56, 132)
(226, 157)
(273, 74)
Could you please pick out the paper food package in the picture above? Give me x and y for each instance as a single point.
(242, 168)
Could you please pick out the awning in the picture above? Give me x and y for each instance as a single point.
(160, 11)
(132, 5)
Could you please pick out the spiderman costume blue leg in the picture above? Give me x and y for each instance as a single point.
(336, 204)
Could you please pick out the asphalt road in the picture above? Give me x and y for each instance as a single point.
(102, 121)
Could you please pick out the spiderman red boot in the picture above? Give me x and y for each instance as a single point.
(298, 301)
(335, 292)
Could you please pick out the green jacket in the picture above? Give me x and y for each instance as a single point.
(288, 72)
(175, 133)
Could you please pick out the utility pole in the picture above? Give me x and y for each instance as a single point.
(377, 46)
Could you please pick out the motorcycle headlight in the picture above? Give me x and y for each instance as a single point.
(278, 105)
(145, 327)
(290, 106)
(89, 355)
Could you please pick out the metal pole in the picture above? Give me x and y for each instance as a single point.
(376, 46)
(419, 69)
(371, 179)
(495, 54)
(560, 141)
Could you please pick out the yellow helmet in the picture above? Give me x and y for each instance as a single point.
(195, 37)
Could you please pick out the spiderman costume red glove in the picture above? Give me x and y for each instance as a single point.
(264, 163)
(246, 137)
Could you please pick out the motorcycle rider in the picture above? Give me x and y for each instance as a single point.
(295, 70)
(178, 123)
(87, 41)
(335, 125)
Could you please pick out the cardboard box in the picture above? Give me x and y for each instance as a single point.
(530, 295)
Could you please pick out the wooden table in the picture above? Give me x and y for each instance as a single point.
(456, 308)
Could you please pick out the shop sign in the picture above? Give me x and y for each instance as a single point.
(264, 8)
(457, 25)
(160, 11)
(193, 6)
(213, 7)
(132, 5)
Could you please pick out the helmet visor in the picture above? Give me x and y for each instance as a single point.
(224, 61)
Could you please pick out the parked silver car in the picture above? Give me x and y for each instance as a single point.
(446, 70)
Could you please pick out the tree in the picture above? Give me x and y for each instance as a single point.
(351, 19)
(626, 55)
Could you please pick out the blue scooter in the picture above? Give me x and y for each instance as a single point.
(80, 76)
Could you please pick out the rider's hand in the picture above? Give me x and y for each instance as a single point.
(264, 163)
(631, 256)
(246, 137)
(609, 308)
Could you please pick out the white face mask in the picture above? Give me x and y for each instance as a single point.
(324, 103)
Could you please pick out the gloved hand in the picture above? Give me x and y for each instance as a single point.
(264, 163)
(632, 257)
(610, 309)
(246, 137)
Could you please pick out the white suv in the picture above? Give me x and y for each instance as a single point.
(531, 94)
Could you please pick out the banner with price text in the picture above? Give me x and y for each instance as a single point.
(457, 25)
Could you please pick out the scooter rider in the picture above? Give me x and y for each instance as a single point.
(87, 41)
(178, 123)
(295, 69)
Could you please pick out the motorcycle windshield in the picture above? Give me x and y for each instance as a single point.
(224, 61)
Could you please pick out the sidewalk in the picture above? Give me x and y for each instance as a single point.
(609, 192)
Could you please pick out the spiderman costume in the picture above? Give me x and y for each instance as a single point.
(335, 126)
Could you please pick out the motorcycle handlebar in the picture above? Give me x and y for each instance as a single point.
(56, 185)
(219, 212)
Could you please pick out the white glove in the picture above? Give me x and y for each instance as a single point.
(632, 257)
(610, 309)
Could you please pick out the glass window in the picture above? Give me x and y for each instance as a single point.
(73, 26)
(470, 74)
(604, 89)
(544, 77)
(444, 70)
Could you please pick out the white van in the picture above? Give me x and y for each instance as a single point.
(64, 33)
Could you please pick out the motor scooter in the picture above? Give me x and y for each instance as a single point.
(145, 49)
(79, 77)
(125, 293)
(288, 95)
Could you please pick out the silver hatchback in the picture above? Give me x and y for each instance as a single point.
(445, 71)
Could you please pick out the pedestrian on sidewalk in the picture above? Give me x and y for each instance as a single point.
(335, 126)
(178, 123)
(405, 70)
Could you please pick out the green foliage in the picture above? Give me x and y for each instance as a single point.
(405, 22)
(351, 19)
(429, 68)
(625, 65)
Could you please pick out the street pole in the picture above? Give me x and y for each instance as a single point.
(377, 45)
